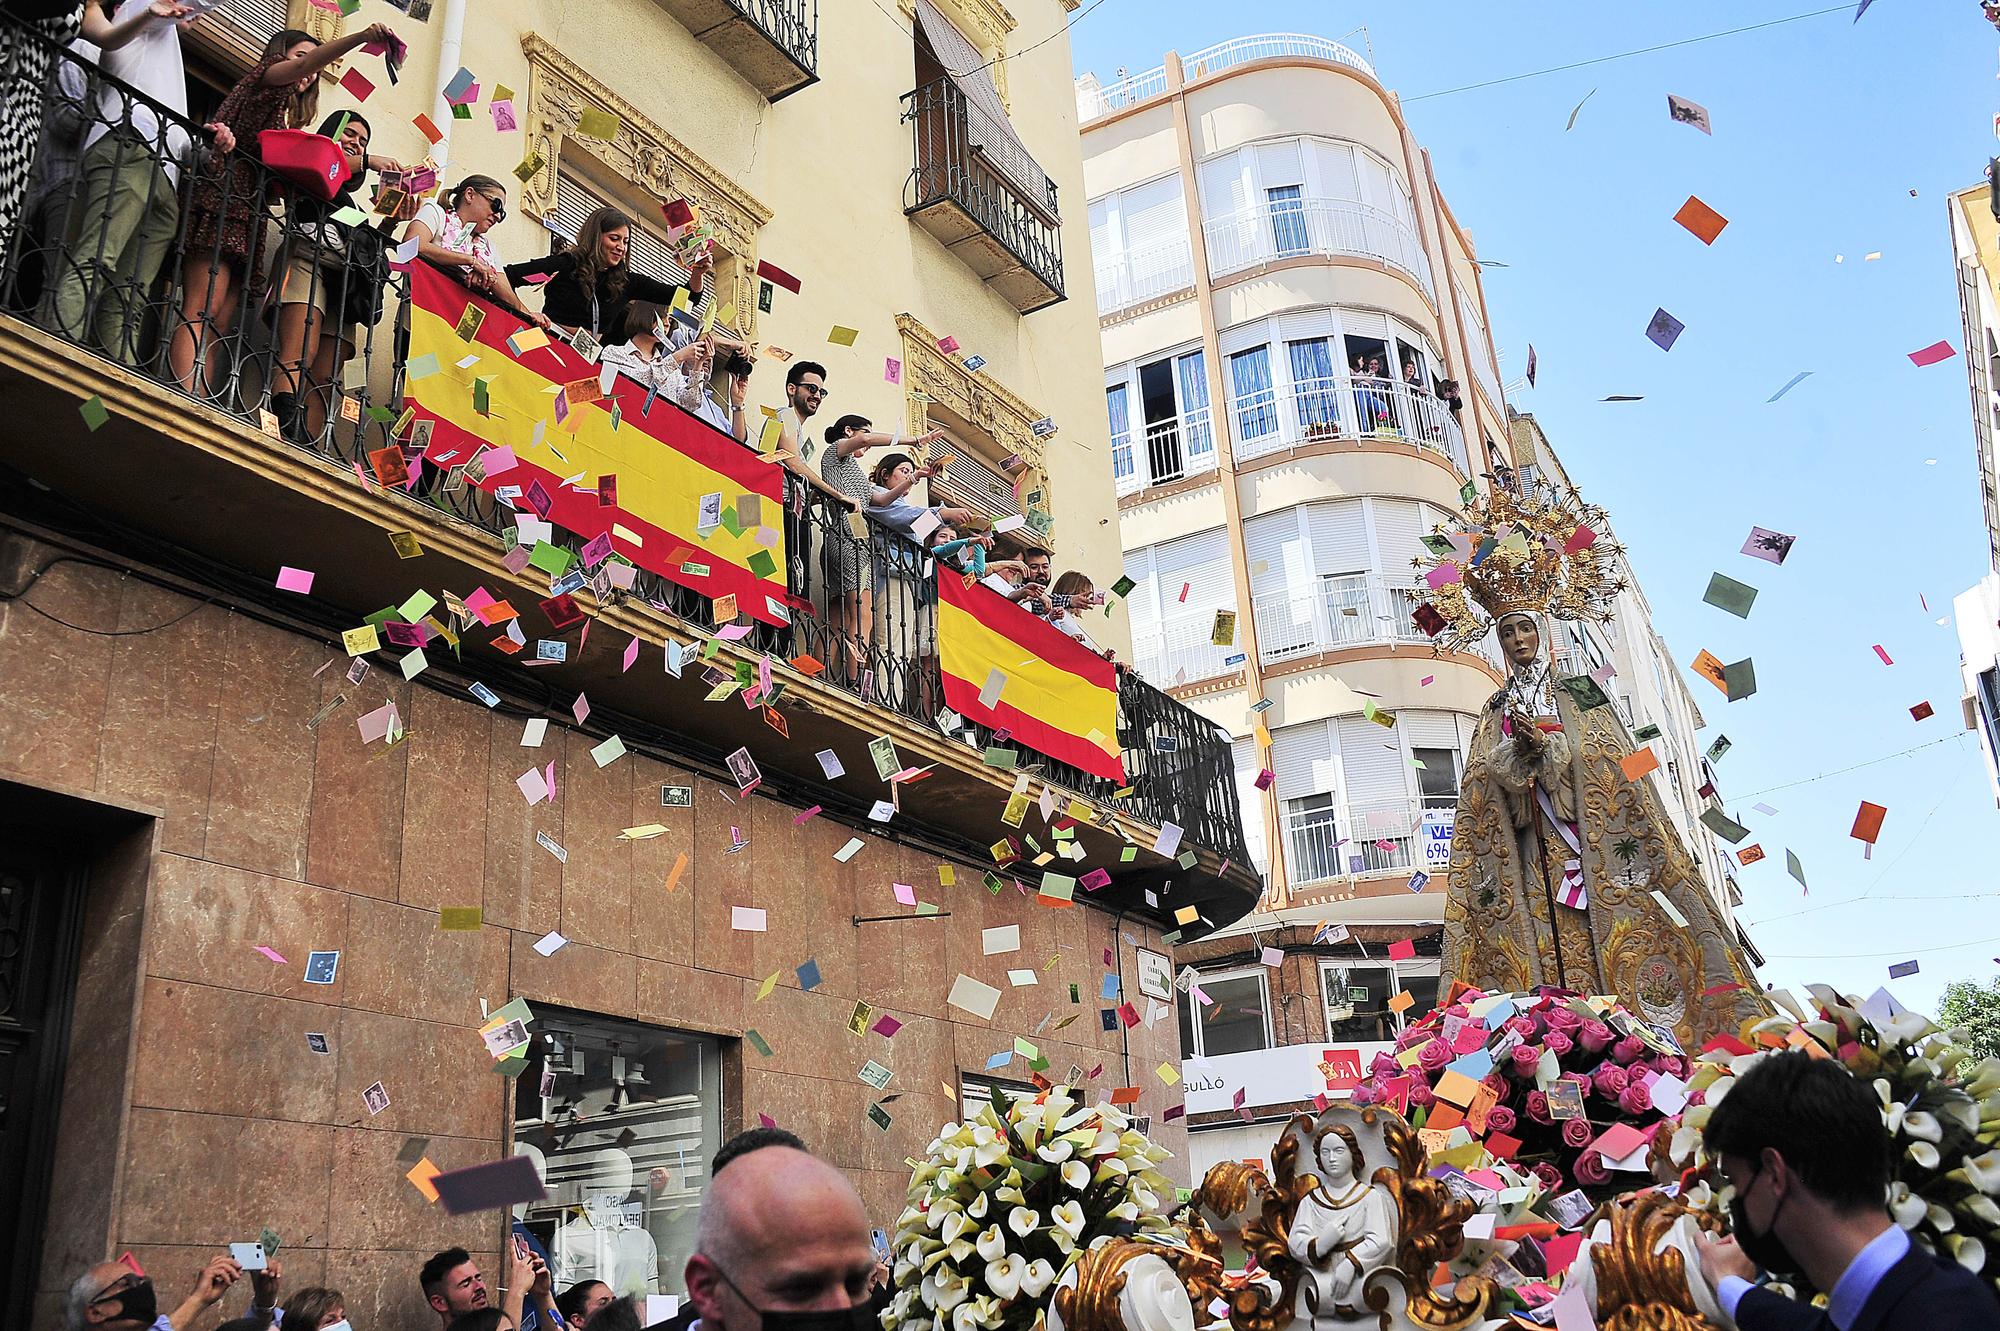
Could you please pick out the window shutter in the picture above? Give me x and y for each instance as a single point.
(1279, 164)
(1304, 761)
(1397, 532)
(1339, 538)
(1144, 602)
(1223, 191)
(1337, 179)
(1104, 244)
(1250, 801)
(236, 31)
(1277, 555)
(1154, 214)
(1200, 560)
(1371, 760)
(1242, 338)
(1429, 730)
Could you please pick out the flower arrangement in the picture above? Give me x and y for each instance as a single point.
(1553, 1073)
(1940, 1105)
(1002, 1204)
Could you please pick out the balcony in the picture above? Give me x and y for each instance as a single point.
(1167, 450)
(1180, 652)
(985, 200)
(1355, 610)
(1149, 274)
(1210, 61)
(1340, 839)
(773, 44)
(1342, 409)
(1303, 228)
(208, 482)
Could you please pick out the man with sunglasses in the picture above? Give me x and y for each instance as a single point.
(805, 392)
(111, 1296)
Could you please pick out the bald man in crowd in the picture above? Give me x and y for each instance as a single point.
(782, 1245)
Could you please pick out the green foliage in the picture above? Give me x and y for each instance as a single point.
(1977, 1010)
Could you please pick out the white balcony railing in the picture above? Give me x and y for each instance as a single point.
(1356, 610)
(1212, 60)
(1349, 410)
(1299, 227)
(1383, 836)
(1124, 280)
(1167, 450)
(1179, 651)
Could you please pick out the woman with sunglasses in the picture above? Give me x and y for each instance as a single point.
(452, 236)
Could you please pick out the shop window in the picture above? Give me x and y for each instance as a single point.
(1237, 1020)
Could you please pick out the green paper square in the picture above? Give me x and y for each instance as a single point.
(382, 616)
(1726, 593)
(1585, 690)
(1724, 826)
(1127, 855)
(94, 412)
(757, 1042)
(1739, 679)
(550, 559)
(1123, 587)
(1644, 733)
(461, 111)
(761, 563)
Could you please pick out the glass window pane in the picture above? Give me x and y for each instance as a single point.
(1357, 1002)
(1423, 988)
(624, 1135)
(1234, 1023)
(1437, 779)
(1288, 219)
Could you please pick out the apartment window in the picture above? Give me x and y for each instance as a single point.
(1288, 218)
(976, 1092)
(1313, 840)
(1357, 1000)
(1237, 1020)
(1182, 583)
(1332, 373)
(1175, 437)
(1357, 995)
(1437, 776)
(1120, 415)
(1139, 243)
(1256, 398)
(623, 1118)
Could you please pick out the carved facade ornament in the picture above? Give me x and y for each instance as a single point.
(644, 153)
(985, 23)
(975, 399)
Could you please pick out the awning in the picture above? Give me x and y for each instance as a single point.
(990, 130)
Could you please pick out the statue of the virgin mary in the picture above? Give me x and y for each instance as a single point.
(1563, 871)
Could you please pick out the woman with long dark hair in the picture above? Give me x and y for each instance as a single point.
(224, 256)
(330, 278)
(589, 284)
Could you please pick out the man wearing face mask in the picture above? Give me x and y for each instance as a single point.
(1802, 1143)
(782, 1245)
(111, 1296)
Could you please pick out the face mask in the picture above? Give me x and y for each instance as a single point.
(342, 1325)
(1767, 1250)
(861, 1317)
(137, 1304)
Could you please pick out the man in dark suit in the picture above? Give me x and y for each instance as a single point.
(1801, 1141)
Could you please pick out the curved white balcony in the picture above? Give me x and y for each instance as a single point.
(1347, 410)
(1213, 60)
(1125, 280)
(1179, 651)
(1297, 228)
(1379, 836)
(1167, 450)
(1355, 610)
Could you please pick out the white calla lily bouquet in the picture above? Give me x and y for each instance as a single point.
(1001, 1205)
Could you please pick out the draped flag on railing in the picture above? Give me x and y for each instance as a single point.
(1007, 669)
(668, 490)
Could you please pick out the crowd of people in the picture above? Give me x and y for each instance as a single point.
(783, 1242)
(175, 249)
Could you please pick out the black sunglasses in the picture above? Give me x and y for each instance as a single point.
(499, 207)
(817, 390)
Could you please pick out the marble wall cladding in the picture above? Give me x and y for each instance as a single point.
(273, 833)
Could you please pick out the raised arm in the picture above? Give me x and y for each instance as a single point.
(310, 62)
(109, 35)
(549, 265)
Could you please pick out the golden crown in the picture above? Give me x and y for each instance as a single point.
(1543, 550)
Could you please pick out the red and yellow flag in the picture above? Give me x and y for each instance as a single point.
(660, 462)
(1055, 695)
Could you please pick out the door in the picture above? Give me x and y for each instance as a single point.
(1163, 432)
(41, 909)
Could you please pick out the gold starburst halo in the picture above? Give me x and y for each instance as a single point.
(1542, 550)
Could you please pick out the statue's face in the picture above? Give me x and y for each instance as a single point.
(1336, 1162)
(1520, 639)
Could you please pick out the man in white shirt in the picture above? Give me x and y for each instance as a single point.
(127, 203)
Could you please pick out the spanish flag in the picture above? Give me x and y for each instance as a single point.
(1055, 695)
(576, 451)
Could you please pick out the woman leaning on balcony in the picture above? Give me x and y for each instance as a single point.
(452, 237)
(589, 284)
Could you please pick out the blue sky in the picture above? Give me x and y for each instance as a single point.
(1823, 128)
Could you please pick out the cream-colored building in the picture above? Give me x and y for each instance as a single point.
(1260, 218)
(1975, 248)
(1264, 226)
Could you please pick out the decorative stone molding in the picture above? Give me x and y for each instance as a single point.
(644, 153)
(986, 23)
(975, 398)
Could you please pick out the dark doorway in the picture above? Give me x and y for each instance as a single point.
(1163, 430)
(41, 914)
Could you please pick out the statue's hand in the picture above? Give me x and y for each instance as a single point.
(1528, 737)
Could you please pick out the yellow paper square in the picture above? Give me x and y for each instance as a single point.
(1401, 1001)
(420, 1176)
(361, 641)
(1167, 1073)
(1186, 915)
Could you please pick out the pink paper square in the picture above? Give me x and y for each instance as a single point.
(271, 954)
(580, 708)
(631, 653)
(295, 580)
(906, 895)
(887, 1025)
